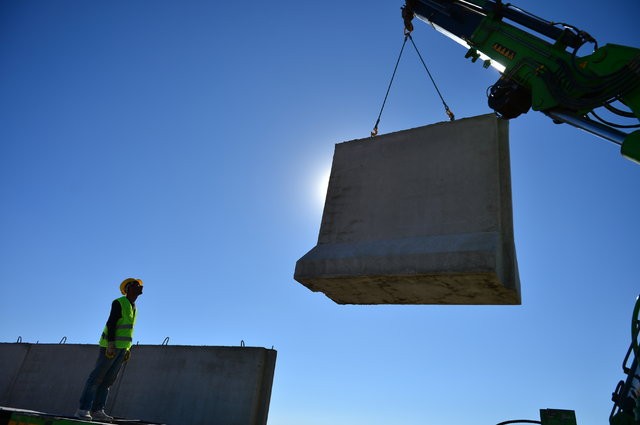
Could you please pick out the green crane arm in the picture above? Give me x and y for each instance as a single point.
(540, 65)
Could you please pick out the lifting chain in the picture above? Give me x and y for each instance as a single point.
(407, 36)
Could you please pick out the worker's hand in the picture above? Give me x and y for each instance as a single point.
(127, 354)
(111, 351)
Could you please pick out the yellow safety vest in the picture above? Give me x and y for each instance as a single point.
(124, 326)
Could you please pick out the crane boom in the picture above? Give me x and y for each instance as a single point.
(540, 66)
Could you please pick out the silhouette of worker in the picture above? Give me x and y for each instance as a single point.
(115, 344)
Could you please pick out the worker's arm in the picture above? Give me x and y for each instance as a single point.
(114, 316)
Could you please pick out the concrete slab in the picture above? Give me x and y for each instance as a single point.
(50, 378)
(225, 385)
(421, 216)
(175, 385)
(11, 358)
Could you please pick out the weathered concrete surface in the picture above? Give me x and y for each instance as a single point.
(421, 216)
(224, 385)
(176, 385)
(11, 358)
(48, 377)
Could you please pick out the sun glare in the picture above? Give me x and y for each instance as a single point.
(322, 186)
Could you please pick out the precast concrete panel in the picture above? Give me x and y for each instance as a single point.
(421, 216)
(50, 378)
(11, 358)
(225, 385)
(174, 385)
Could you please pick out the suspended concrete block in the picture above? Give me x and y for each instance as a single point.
(421, 216)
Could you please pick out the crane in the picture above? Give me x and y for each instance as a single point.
(541, 68)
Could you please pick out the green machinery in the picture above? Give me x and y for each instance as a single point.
(541, 70)
(626, 398)
(546, 76)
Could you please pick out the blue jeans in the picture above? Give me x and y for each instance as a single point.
(96, 390)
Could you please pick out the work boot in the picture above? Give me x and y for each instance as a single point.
(100, 416)
(83, 414)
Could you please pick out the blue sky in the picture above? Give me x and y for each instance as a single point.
(186, 143)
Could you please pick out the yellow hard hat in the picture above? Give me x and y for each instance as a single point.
(127, 281)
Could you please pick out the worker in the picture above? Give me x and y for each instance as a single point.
(115, 345)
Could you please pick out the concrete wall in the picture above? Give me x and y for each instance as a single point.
(421, 216)
(176, 385)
